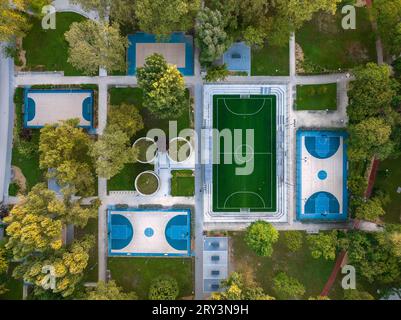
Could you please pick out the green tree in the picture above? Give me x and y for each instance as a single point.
(112, 152)
(210, 36)
(163, 86)
(217, 73)
(236, 288)
(260, 237)
(120, 11)
(373, 255)
(370, 137)
(31, 224)
(357, 295)
(163, 17)
(126, 118)
(68, 265)
(108, 291)
(94, 45)
(293, 240)
(256, 21)
(323, 245)
(35, 223)
(3, 261)
(370, 210)
(12, 20)
(371, 93)
(64, 153)
(357, 184)
(287, 287)
(388, 16)
(164, 288)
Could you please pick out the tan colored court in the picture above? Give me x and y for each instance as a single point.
(51, 108)
(174, 53)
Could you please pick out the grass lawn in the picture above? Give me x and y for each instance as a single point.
(312, 273)
(134, 96)
(47, 50)
(14, 286)
(147, 183)
(270, 61)
(183, 183)
(328, 47)
(317, 97)
(91, 272)
(126, 178)
(389, 181)
(136, 274)
(28, 162)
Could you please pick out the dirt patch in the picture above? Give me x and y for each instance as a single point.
(360, 3)
(21, 55)
(327, 23)
(19, 179)
(299, 57)
(357, 51)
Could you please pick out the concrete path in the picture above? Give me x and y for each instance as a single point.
(67, 6)
(6, 120)
(102, 230)
(198, 250)
(293, 60)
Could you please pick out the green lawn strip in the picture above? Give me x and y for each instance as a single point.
(14, 286)
(47, 50)
(136, 274)
(388, 180)
(327, 47)
(312, 273)
(270, 61)
(91, 272)
(182, 183)
(126, 178)
(27, 162)
(317, 97)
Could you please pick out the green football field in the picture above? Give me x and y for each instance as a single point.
(247, 190)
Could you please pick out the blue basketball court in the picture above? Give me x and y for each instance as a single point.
(322, 175)
(147, 232)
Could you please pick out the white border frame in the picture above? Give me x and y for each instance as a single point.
(282, 139)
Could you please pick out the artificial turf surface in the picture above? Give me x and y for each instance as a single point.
(245, 175)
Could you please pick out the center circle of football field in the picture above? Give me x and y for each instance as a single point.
(241, 157)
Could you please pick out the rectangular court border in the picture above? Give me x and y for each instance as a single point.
(316, 217)
(128, 254)
(272, 147)
(28, 90)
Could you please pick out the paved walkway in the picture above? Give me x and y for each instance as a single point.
(66, 6)
(6, 121)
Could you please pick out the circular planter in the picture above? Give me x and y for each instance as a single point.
(147, 183)
(147, 150)
(179, 150)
